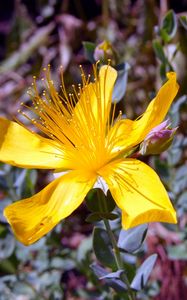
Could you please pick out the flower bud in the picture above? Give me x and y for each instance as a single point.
(104, 51)
(158, 139)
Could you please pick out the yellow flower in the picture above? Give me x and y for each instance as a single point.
(83, 138)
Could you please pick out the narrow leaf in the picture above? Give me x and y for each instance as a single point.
(159, 51)
(102, 247)
(97, 201)
(116, 284)
(115, 275)
(92, 199)
(131, 240)
(121, 82)
(7, 245)
(169, 26)
(95, 217)
(174, 113)
(110, 203)
(183, 21)
(89, 51)
(143, 273)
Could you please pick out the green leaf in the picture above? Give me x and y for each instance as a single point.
(3, 183)
(183, 21)
(175, 152)
(115, 283)
(180, 180)
(20, 178)
(89, 51)
(174, 112)
(143, 273)
(7, 245)
(2, 230)
(97, 201)
(163, 71)
(97, 216)
(182, 201)
(9, 265)
(28, 188)
(5, 202)
(110, 203)
(162, 168)
(98, 270)
(102, 247)
(93, 199)
(169, 26)
(159, 51)
(116, 275)
(121, 82)
(131, 240)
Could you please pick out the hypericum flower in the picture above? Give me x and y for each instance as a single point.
(158, 139)
(84, 139)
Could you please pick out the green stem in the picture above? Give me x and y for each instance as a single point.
(117, 256)
(119, 262)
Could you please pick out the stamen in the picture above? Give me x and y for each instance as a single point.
(78, 122)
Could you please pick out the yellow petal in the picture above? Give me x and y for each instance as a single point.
(33, 217)
(96, 97)
(20, 147)
(139, 193)
(130, 133)
(107, 78)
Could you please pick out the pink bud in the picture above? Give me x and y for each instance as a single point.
(104, 51)
(99, 54)
(158, 139)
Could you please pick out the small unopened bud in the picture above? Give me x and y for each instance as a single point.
(158, 139)
(104, 51)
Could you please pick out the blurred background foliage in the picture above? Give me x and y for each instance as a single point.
(148, 38)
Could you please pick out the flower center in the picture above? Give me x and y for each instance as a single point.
(79, 122)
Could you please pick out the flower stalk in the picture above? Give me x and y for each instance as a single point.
(116, 251)
(118, 259)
